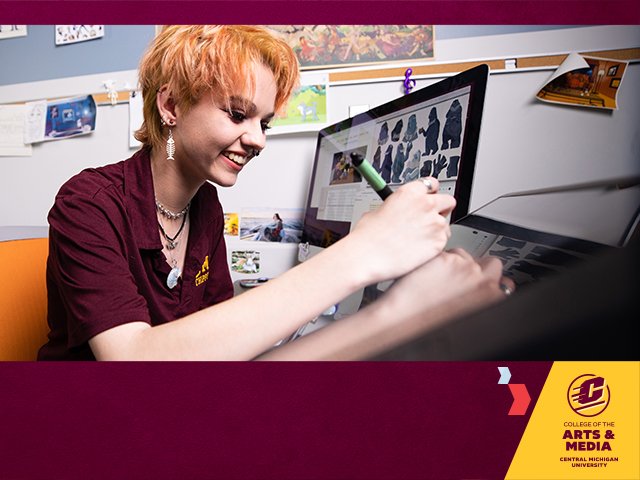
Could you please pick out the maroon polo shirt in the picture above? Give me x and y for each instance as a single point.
(106, 266)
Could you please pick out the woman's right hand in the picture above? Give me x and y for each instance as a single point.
(454, 280)
(408, 230)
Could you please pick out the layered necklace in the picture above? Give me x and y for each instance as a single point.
(172, 242)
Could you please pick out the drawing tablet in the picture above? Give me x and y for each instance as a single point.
(432, 131)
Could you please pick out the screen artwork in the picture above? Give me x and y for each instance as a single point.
(432, 131)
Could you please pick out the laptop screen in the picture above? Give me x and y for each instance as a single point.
(540, 233)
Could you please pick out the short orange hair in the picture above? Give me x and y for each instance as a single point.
(194, 59)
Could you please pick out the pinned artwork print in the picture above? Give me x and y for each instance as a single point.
(77, 33)
(231, 224)
(585, 82)
(324, 46)
(307, 107)
(10, 31)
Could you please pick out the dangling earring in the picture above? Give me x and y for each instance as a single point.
(171, 146)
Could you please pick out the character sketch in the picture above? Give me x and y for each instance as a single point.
(384, 134)
(425, 171)
(432, 133)
(439, 165)
(397, 129)
(452, 127)
(398, 164)
(452, 168)
(376, 159)
(412, 129)
(387, 163)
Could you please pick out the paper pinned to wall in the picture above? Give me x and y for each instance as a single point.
(12, 132)
(585, 82)
(10, 31)
(135, 117)
(77, 33)
(35, 120)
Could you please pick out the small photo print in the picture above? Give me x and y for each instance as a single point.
(66, 34)
(231, 223)
(70, 117)
(245, 261)
(584, 82)
(272, 225)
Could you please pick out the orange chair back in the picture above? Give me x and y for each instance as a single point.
(23, 298)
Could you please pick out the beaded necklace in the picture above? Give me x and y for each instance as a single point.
(165, 212)
(172, 242)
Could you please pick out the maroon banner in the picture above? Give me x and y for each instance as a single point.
(383, 420)
(559, 12)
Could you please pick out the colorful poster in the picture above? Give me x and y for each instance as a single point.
(323, 46)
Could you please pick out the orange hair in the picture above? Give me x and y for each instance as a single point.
(194, 59)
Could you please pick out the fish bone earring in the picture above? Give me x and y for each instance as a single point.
(171, 146)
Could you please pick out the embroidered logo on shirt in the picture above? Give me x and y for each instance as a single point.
(203, 275)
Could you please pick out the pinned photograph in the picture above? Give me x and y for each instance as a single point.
(245, 261)
(70, 117)
(231, 224)
(585, 82)
(66, 34)
(272, 225)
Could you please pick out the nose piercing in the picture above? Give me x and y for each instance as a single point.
(256, 153)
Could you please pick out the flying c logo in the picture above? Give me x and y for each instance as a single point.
(203, 275)
(588, 395)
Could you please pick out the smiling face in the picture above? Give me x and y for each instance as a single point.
(215, 140)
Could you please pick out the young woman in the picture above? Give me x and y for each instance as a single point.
(137, 264)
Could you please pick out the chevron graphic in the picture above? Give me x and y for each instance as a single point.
(505, 375)
(521, 399)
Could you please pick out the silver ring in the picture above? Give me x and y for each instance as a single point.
(428, 184)
(506, 290)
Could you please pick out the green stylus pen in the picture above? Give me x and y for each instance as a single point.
(371, 175)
